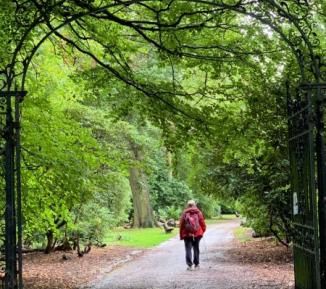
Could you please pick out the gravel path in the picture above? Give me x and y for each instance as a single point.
(164, 268)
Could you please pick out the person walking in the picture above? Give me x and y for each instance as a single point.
(191, 229)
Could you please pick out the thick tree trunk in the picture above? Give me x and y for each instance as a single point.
(143, 213)
(169, 160)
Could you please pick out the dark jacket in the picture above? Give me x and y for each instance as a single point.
(202, 226)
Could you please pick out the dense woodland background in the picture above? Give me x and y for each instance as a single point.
(124, 122)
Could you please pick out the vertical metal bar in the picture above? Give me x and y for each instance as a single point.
(289, 113)
(18, 99)
(312, 150)
(320, 149)
(10, 227)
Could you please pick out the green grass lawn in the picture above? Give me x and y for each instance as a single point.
(221, 219)
(242, 234)
(146, 238)
(138, 238)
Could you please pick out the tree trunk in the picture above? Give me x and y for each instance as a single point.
(143, 213)
(169, 160)
(50, 240)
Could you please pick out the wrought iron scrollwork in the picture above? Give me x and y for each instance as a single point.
(294, 22)
(304, 238)
(302, 134)
(300, 123)
(300, 130)
(300, 34)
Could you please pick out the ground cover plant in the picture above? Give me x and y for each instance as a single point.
(243, 234)
(138, 238)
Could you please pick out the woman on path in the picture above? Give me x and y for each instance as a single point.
(192, 229)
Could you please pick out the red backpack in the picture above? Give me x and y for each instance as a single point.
(191, 221)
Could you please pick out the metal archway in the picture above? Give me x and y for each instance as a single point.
(291, 20)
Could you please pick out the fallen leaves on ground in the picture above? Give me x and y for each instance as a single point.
(265, 251)
(65, 270)
(270, 263)
(268, 259)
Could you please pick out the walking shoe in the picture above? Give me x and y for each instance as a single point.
(189, 268)
(197, 267)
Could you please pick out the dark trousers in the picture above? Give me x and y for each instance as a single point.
(192, 244)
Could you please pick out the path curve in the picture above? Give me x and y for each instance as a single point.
(163, 267)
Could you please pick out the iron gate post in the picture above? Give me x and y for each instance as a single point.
(304, 176)
(10, 224)
(13, 213)
(321, 176)
(308, 182)
(18, 100)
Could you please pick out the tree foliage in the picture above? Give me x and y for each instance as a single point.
(178, 99)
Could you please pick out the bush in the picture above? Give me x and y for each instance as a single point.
(168, 194)
(208, 205)
(226, 209)
(170, 213)
(94, 222)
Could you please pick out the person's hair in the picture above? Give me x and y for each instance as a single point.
(191, 203)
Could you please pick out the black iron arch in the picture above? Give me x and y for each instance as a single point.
(292, 20)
